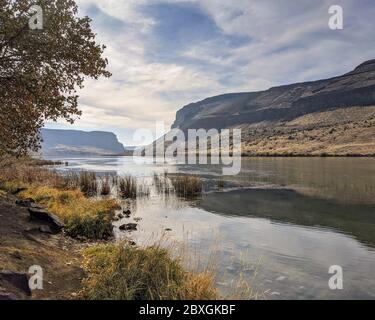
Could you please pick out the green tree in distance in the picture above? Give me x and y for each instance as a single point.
(41, 70)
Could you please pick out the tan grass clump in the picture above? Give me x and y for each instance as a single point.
(124, 272)
(187, 186)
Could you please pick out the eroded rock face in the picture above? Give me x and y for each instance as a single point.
(281, 104)
(39, 214)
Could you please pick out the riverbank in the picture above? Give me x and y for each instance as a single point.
(82, 260)
(23, 245)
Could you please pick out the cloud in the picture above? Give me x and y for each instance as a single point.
(166, 53)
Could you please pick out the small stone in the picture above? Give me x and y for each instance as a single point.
(282, 278)
(168, 229)
(137, 219)
(275, 293)
(128, 227)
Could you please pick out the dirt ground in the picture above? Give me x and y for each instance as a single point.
(22, 245)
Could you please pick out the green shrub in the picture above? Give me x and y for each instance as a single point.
(98, 226)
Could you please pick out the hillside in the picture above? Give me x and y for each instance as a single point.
(74, 142)
(333, 116)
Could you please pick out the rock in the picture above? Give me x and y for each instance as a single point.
(46, 229)
(120, 216)
(127, 213)
(25, 203)
(282, 278)
(137, 219)
(17, 280)
(43, 215)
(129, 227)
(6, 296)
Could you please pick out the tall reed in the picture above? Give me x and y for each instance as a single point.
(187, 186)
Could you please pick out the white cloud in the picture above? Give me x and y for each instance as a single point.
(289, 42)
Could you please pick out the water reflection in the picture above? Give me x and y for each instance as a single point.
(289, 206)
(298, 216)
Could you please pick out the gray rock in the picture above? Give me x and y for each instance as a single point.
(25, 203)
(45, 216)
(17, 280)
(129, 227)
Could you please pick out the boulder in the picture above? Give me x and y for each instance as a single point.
(129, 227)
(17, 280)
(45, 216)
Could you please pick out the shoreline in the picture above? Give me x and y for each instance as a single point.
(59, 216)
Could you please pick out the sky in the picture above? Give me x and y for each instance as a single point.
(164, 54)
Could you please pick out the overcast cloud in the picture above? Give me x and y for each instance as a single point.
(167, 53)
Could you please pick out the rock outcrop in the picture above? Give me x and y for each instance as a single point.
(333, 116)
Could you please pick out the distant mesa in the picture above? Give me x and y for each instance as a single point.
(80, 143)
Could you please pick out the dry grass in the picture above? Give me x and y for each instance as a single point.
(123, 272)
(18, 173)
(187, 186)
(105, 187)
(88, 183)
(90, 218)
(63, 195)
(127, 187)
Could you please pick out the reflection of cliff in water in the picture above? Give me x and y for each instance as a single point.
(345, 180)
(291, 207)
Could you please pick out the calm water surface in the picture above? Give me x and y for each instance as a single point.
(280, 224)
